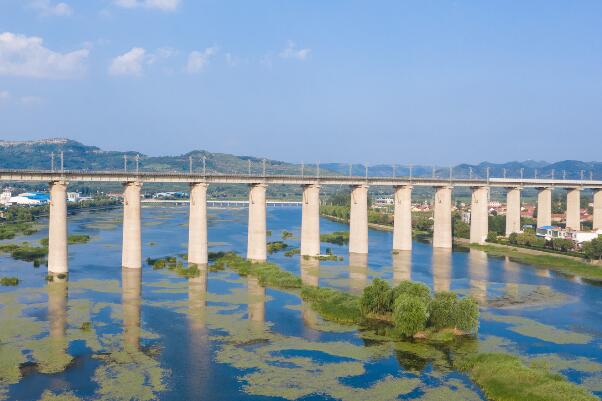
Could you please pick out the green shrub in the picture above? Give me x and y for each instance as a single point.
(291, 252)
(491, 236)
(442, 312)
(447, 311)
(276, 246)
(413, 289)
(376, 298)
(410, 314)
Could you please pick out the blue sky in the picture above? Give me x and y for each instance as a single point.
(353, 81)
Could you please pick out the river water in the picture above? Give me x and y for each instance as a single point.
(121, 335)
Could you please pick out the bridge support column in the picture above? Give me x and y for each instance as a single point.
(358, 220)
(479, 215)
(197, 224)
(402, 219)
(256, 238)
(544, 207)
(131, 256)
(57, 229)
(442, 229)
(573, 208)
(310, 221)
(131, 283)
(597, 209)
(513, 211)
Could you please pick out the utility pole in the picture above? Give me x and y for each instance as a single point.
(52, 162)
(535, 173)
(302, 169)
(263, 162)
(318, 169)
(522, 170)
(137, 164)
(564, 174)
(249, 166)
(366, 165)
(350, 169)
(553, 172)
(504, 172)
(433, 171)
(410, 172)
(190, 164)
(204, 166)
(393, 171)
(581, 175)
(451, 169)
(488, 169)
(470, 173)
(62, 163)
(125, 163)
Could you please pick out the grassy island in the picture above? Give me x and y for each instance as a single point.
(337, 237)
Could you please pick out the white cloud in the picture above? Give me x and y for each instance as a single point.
(4, 96)
(198, 60)
(129, 63)
(163, 5)
(291, 51)
(25, 56)
(48, 9)
(31, 100)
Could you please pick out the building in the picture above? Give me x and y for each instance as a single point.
(578, 237)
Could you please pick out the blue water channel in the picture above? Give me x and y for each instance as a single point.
(110, 334)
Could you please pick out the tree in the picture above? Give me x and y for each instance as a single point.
(460, 229)
(593, 249)
(497, 224)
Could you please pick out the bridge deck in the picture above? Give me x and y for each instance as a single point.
(168, 177)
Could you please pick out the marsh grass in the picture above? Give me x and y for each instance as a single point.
(337, 237)
(10, 230)
(9, 281)
(333, 305)
(276, 246)
(269, 274)
(26, 252)
(505, 377)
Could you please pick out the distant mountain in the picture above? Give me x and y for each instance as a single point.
(77, 156)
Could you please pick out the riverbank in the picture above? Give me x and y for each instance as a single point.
(567, 264)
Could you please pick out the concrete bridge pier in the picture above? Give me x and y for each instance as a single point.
(442, 229)
(544, 207)
(197, 225)
(513, 211)
(131, 256)
(479, 215)
(358, 220)
(57, 229)
(256, 238)
(310, 221)
(402, 219)
(573, 208)
(597, 209)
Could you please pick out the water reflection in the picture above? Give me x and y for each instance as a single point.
(57, 323)
(256, 300)
(310, 276)
(198, 352)
(130, 298)
(442, 263)
(358, 272)
(402, 266)
(510, 270)
(478, 275)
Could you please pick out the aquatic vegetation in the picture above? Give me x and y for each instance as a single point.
(292, 252)
(337, 237)
(269, 274)
(8, 281)
(9, 230)
(25, 252)
(52, 396)
(71, 239)
(333, 305)
(276, 246)
(286, 235)
(505, 377)
(532, 328)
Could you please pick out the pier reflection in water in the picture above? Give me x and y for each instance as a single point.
(402, 266)
(310, 276)
(358, 272)
(442, 264)
(478, 275)
(57, 321)
(256, 300)
(130, 296)
(198, 354)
